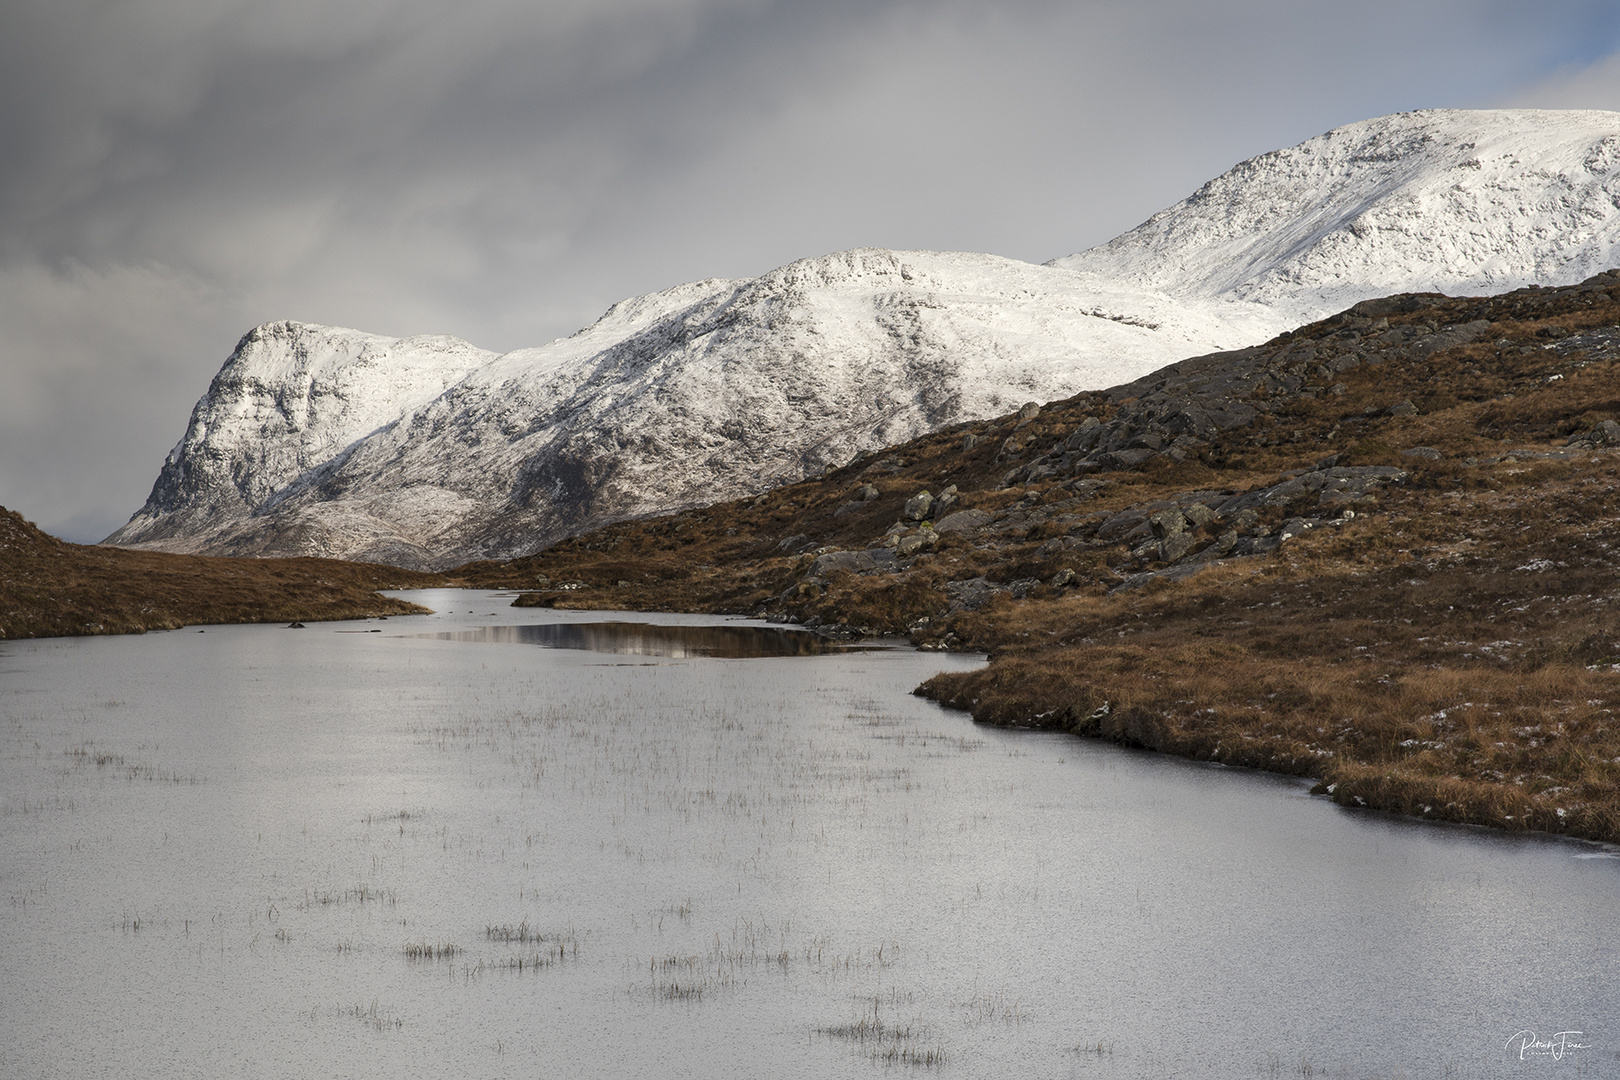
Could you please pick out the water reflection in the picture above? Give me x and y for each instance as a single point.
(648, 639)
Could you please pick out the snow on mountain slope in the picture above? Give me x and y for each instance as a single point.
(706, 391)
(1438, 200)
(429, 452)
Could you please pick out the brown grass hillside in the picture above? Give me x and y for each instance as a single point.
(49, 588)
(1379, 551)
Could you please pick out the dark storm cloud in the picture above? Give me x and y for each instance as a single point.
(179, 171)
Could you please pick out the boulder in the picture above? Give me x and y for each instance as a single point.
(970, 594)
(1167, 522)
(1085, 436)
(1175, 545)
(1198, 515)
(963, 521)
(1606, 433)
(918, 507)
(1295, 527)
(1126, 459)
(921, 540)
(855, 562)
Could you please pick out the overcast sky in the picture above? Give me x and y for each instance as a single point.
(175, 172)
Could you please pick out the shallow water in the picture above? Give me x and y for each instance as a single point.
(267, 852)
(732, 642)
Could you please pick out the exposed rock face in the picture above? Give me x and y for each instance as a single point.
(429, 452)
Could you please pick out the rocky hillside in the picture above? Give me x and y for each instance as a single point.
(49, 588)
(1379, 550)
(427, 452)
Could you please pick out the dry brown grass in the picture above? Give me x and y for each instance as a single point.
(49, 588)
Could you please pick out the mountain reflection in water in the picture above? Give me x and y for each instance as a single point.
(647, 639)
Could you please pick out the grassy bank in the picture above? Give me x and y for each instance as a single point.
(50, 588)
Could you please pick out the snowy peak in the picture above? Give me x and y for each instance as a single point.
(1438, 200)
(290, 397)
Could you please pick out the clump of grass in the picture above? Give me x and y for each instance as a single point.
(889, 1044)
(86, 754)
(677, 977)
(360, 894)
(378, 1019)
(428, 951)
(545, 948)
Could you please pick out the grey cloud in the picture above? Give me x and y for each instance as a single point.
(179, 171)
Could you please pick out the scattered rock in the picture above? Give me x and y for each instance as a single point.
(1168, 522)
(1294, 527)
(1402, 408)
(971, 594)
(1125, 459)
(1022, 587)
(795, 544)
(1198, 515)
(1062, 578)
(1427, 453)
(920, 540)
(1169, 573)
(1450, 337)
(854, 562)
(1175, 545)
(1606, 433)
(1340, 484)
(963, 521)
(1029, 412)
(918, 507)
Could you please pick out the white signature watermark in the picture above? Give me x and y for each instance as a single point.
(1554, 1046)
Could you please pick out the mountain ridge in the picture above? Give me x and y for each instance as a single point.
(720, 388)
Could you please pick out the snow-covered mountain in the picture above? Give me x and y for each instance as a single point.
(429, 452)
(1440, 200)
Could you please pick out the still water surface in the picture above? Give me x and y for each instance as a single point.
(263, 852)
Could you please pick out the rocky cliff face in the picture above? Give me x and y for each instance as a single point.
(428, 452)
